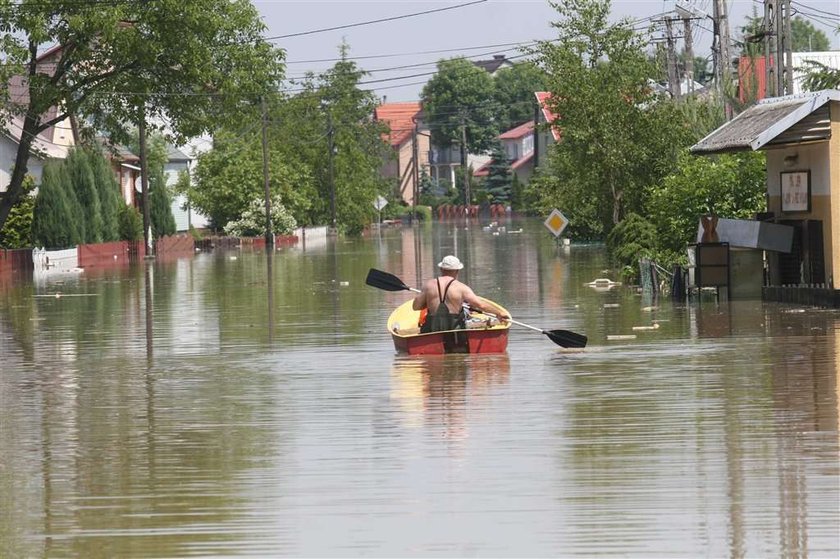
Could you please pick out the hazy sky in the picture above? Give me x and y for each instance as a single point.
(493, 22)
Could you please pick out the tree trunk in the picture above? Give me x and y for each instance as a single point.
(9, 198)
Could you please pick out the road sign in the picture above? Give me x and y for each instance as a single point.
(380, 203)
(556, 222)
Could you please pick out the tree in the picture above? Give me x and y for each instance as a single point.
(83, 183)
(732, 186)
(818, 76)
(514, 93)
(54, 225)
(110, 201)
(806, 37)
(18, 230)
(618, 136)
(498, 182)
(163, 222)
(459, 94)
(191, 62)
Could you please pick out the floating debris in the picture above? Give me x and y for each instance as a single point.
(611, 305)
(654, 327)
(621, 337)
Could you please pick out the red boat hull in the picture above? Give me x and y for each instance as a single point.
(456, 341)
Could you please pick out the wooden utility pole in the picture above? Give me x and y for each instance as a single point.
(788, 44)
(723, 69)
(331, 147)
(689, 55)
(770, 55)
(415, 194)
(144, 184)
(269, 236)
(464, 170)
(671, 57)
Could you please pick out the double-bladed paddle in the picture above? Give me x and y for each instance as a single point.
(390, 282)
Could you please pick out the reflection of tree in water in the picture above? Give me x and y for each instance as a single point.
(437, 390)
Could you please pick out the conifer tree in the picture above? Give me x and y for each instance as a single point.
(163, 222)
(53, 225)
(110, 201)
(498, 178)
(84, 185)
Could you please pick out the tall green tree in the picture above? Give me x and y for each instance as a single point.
(806, 37)
(461, 93)
(498, 182)
(514, 93)
(190, 62)
(618, 136)
(163, 222)
(83, 183)
(54, 224)
(110, 200)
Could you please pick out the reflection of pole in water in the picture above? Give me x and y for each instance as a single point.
(149, 316)
(269, 269)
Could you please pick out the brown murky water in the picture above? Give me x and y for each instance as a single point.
(222, 406)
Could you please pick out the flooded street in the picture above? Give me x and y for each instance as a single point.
(235, 405)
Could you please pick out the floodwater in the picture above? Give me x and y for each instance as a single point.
(234, 405)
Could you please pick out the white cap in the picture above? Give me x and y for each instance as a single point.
(450, 263)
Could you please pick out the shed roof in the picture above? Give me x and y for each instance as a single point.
(776, 121)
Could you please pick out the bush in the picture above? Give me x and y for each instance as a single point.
(130, 224)
(252, 221)
(17, 231)
(54, 223)
(633, 238)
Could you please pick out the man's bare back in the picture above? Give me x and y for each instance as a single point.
(458, 294)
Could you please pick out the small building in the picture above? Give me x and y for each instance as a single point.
(800, 135)
(409, 140)
(493, 65)
(548, 133)
(185, 216)
(518, 144)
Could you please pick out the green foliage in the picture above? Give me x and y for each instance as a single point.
(633, 238)
(461, 92)
(171, 47)
(252, 222)
(54, 224)
(130, 223)
(163, 222)
(517, 192)
(806, 37)
(514, 93)
(617, 135)
(818, 76)
(730, 186)
(83, 183)
(331, 111)
(110, 199)
(18, 230)
(498, 182)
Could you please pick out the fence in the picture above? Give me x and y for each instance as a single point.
(17, 260)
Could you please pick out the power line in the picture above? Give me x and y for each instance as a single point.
(381, 20)
(813, 9)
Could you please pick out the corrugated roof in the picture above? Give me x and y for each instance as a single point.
(774, 121)
(400, 119)
(518, 132)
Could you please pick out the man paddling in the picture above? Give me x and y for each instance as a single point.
(444, 296)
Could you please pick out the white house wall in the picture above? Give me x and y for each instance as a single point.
(812, 158)
(8, 153)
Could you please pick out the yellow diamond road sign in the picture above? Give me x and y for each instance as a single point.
(556, 222)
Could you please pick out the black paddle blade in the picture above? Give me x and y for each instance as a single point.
(384, 280)
(566, 338)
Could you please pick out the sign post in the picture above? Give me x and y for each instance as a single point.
(380, 203)
(556, 222)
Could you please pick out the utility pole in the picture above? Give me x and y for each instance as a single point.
(415, 172)
(770, 55)
(689, 55)
(723, 68)
(671, 56)
(788, 43)
(144, 184)
(269, 237)
(331, 147)
(464, 170)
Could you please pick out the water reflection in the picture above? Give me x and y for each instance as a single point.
(442, 389)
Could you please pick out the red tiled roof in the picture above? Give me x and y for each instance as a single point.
(484, 170)
(518, 132)
(399, 117)
(542, 98)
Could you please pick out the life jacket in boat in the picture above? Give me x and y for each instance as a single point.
(442, 319)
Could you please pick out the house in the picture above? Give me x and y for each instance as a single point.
(185, 216)
(409, 140)
(800, 135)
(518, 144)
(548, 133)
(493, 65)
(53, 143)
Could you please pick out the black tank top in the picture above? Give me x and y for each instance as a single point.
(442, 319)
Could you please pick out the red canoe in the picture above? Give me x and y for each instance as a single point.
(483, 335)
